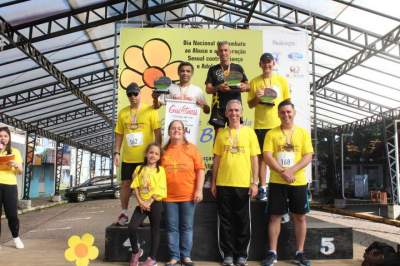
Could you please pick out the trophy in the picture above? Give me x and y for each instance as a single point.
(233, 80)
(161, 85)
(269, 97)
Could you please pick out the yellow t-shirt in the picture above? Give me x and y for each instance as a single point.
(266, 116)
(235, 164)
(150, 183)
(8, 176)
(275, 141)
(136, 136)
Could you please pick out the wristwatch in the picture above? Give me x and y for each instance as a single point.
(255, 183)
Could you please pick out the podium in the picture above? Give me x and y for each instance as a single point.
(324, 240)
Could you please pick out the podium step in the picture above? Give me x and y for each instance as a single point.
(324, 240)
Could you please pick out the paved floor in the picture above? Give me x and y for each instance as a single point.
(45, 233)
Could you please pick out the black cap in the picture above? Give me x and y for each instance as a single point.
(132, 88)
(267, 57)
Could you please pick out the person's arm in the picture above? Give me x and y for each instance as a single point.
(223, 87)
(256, 100)
(272, 162)
(216, 161)
(201, 101)
(274, 165)
(157, 135)
(206, 108)
(156, 103)
(254, 182)
(144, 205)
(17, 167)
(198, 194)
(210, 88)
(117, 148)
(244, 86)
(289, 173)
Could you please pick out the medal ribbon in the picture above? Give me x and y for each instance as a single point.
(226, 72)
(234, 142)
(289, 141)
(134, 115)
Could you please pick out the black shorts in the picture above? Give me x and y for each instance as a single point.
(283, 197)
(127, 170)
(261, 136)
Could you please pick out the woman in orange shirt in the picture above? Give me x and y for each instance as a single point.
(184, 169)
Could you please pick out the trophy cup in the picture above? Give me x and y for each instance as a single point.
(269, 97)
(233, 80)
(161, 85)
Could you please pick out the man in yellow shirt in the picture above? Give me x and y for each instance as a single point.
(287, 151)
(137, 126)
(235, 179)
(266, 92)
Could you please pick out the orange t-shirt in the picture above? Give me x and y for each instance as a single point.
(180, 163)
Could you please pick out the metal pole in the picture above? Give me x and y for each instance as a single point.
(195, 23)
(342, 160)
(115, 88)
(316, 174)
(342, 164)
(396, 146)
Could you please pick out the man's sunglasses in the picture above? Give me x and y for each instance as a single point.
(132, 94)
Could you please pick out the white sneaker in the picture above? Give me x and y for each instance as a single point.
(18, 243)
(122, 219)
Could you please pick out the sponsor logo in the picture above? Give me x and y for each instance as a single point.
(295, 56)
(283, 43)
(183, 110)
(276, 56)
(294, 69)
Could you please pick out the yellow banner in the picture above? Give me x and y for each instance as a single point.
(147, 54)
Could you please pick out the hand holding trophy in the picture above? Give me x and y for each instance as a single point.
(269, 97)
(233, 79)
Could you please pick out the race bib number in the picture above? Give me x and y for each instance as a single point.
(134, 139)
(286, 158)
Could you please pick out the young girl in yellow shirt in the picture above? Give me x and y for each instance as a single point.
(149, 184)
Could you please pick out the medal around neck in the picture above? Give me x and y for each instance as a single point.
(269, 97)
(233, 79)
(162, 84)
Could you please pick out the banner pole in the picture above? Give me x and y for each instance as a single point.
(316, 174)
(115, 88)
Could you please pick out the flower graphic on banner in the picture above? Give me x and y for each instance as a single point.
(81, 250)
(146, 65)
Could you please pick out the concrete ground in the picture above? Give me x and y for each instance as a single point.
(45, 233)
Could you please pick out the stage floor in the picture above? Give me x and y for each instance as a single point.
(45, 234)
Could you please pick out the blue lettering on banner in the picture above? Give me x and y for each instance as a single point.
(295, 56)
(206, 135)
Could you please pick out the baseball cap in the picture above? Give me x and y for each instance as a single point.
(267, 57)
(133, 88)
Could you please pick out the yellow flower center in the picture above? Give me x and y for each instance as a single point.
(81, 250)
